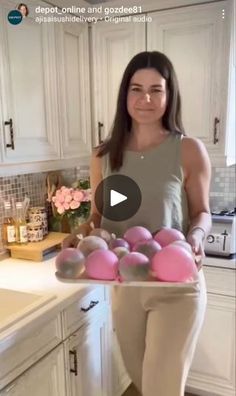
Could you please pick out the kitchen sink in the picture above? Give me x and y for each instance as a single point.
(15, 305)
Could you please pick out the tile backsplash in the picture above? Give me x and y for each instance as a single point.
(34, 186)
(222, 193)
(223, 189)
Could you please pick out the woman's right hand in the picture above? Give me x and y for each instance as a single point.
(72, 240)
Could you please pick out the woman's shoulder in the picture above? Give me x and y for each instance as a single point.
(193, 144)
(193, 152)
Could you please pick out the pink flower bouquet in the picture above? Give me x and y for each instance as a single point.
(73, 204)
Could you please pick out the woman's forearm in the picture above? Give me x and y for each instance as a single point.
(94, 218)
(202, 221)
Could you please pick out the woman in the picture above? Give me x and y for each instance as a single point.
(157, 328)
(23, 9)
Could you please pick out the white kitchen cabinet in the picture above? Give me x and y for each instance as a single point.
(113, 46)
(22, 348)
(197, 41)
(74, 89)
(45, 115)
(29, 124)
(46, 377)
(213, 368)
(39, 359)
(87, 351)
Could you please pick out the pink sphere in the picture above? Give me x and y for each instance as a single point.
(118, 242)
(148, 248)
(70, 262)
(136, 234)
(173, 264)
(102, 264)
(134, 266)
(168, 235)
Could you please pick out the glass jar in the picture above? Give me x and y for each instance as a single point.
(38, 214)
(35, 231)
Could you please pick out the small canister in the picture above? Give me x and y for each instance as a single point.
(35, 231)
(38, 214)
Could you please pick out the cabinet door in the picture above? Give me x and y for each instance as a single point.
(88, 358)
(213, 367)
(194, 40)
(28, 87)
(113, 47)
(45, 378)
(74, 91)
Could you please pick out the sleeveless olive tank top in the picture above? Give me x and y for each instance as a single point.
(159, 176)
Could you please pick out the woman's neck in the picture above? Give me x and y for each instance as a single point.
(144, 136)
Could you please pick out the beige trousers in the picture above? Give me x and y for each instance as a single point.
(157, 330)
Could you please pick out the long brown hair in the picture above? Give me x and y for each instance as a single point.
(171, 120)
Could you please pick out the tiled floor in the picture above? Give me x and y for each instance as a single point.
(131, 391)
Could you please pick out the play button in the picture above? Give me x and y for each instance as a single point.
(118, 197)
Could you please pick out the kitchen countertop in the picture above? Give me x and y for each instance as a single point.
(220, 262)
(38, 278)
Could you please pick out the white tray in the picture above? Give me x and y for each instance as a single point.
(84, 279)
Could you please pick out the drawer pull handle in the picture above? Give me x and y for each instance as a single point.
(75, 362)
(100, 126)
(91, 305)
(216, 132)
(12, 144)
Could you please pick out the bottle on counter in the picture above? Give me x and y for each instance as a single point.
(21, 225)
(8, 228)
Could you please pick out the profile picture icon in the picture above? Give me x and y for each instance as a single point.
(23, 9)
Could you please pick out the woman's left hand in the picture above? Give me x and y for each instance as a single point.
(195, 239)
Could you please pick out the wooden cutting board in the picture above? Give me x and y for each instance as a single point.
(36, 250)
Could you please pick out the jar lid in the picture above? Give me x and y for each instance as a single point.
(36, 224)
(35, 208)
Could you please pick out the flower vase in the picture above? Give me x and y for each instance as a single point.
(75, 222)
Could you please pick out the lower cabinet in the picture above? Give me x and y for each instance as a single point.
(87, 359)
(213, 368)
(87, 353)
(45, 378)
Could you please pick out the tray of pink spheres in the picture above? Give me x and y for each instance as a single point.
(139, 258)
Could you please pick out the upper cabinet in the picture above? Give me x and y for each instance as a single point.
(73, 85)
(113, 45)
(44, 92)
(29, 125)
(197, 40)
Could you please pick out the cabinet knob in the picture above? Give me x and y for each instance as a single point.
(216, 130)
(12, 144)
